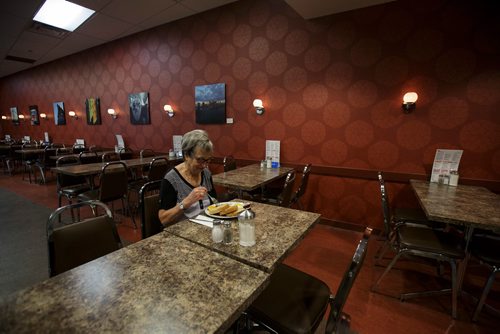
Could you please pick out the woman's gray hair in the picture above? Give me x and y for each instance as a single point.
(194, 139)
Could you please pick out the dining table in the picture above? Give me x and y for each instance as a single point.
(249, 177)
(278, 230)
(161, 284)
(471, 207)
(95, 168)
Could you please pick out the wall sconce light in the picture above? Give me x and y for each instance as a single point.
(409, 102)
(4, 117)
(73, 114)
(168, 109)
(113, 113)
(259, 107)
(43, 115)
(21, 117)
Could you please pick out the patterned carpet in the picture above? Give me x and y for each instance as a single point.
(23, 246)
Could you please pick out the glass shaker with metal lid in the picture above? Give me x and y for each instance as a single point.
(246, 227)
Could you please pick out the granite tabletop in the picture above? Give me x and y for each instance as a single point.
(277, 230)
(95, 168)
(463, 205)
(163, 284)
(249, 177)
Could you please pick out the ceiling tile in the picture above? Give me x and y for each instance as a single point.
(171, 14)
(201, 6)
(103, 27)
(33, 46)
(136, 11)
(22, 8)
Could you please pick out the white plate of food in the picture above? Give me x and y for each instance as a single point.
(224, 210)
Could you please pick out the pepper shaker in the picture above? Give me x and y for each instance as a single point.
(227, 233)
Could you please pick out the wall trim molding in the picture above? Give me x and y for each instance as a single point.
(366, 174)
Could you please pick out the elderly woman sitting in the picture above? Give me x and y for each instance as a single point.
(185, 188)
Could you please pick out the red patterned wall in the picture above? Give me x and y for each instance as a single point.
(332, 88)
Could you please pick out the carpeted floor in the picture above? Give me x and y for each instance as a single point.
(23, 245)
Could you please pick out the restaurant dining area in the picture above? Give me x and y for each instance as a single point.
(251, 166)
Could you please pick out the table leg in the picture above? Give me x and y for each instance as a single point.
(463, 264)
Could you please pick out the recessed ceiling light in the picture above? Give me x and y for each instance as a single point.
(63, 14)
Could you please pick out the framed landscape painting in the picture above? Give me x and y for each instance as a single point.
(35, 118)
(139, 108)
(59, 115)
(14, 115)
(210, 103)
(93, 111)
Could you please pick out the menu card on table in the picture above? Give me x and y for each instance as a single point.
(273, 150)
(177, 144)
(444, 162)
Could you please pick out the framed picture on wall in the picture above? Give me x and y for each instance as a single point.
(139, 108)
(210, 103)
(14, 115)
(35, 118)
(59, 115)
(93, 111)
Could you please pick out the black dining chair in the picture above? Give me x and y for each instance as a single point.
(427, 243)
(484, 247)
(75, 243)
(393, 218)
(296, 302)
(113, 185)
(301, 190)
(69, 186)
(284, 197)
(149, 204)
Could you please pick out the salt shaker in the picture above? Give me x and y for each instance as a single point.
(453, 178)
(246, 227)
(227, 232)
(217, 233)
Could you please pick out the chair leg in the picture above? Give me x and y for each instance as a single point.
(130, 212)
(486, 290)
(389, 267)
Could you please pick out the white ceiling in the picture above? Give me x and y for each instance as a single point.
(114, 19)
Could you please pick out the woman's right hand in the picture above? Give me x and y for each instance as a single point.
(194, 196)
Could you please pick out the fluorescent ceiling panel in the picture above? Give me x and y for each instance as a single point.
(63, 14)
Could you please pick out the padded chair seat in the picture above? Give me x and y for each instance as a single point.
(486, 250)
(89, 195)
(294, 297)
(429, 240)
(75, 190)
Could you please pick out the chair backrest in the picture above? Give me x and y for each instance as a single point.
(286, 195)
(229, 163)
(126, 153)
(303, 182)
(110, 156)
(89, 157)
(64, 180)
(77, 243)
(337, 303)
(113, 181)
(386, 211)
(149, 203)
(147, 152)
(158, 167)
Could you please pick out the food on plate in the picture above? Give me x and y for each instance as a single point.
(215, 209)
(230, 209)
(235, 213)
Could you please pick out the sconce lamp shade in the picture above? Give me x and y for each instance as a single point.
(21, 116)
(4, 117)
(169, 110)
(112, 112)
(259, 106)
(409, 102)
(43, 115)
(73, 114)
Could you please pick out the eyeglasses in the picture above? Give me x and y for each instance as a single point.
(202, 161)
